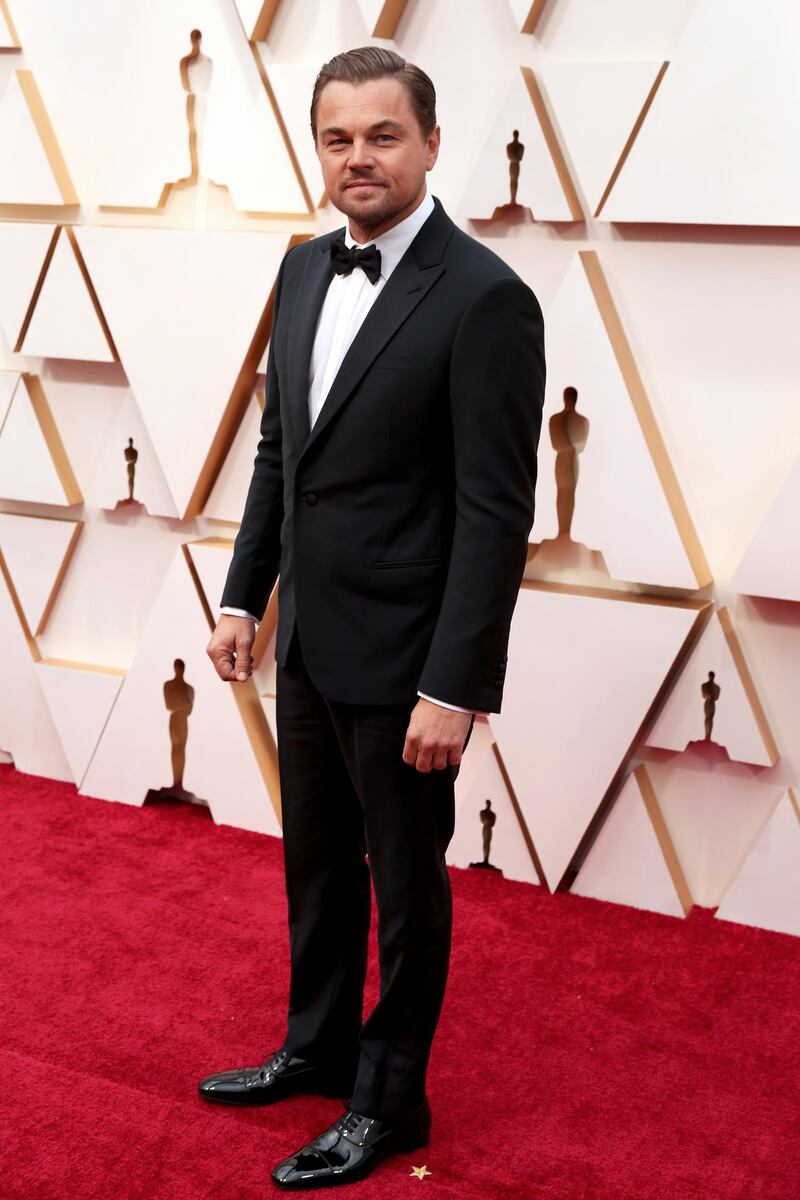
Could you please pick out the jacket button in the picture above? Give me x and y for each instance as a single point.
(310, 498)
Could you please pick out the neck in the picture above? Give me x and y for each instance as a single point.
(367, 233)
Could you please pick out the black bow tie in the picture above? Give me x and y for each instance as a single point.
(346, 257)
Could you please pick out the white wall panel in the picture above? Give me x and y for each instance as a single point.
(27, 730)
(766, 892)
(183, 308)
(717, 145)
(708, 312)
(220, 765)
(560, 739)
(626, 863)
(35, 550)
(595, 107)
(64, 322)
(26, 172)
(23, 247)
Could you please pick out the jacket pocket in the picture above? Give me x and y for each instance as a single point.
(410, 562)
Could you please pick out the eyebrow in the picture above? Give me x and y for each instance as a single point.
(386, 123)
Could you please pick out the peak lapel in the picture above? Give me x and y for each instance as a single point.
(302, 327)
(412, 278)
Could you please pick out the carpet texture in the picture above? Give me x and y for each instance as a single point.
(586, 1051)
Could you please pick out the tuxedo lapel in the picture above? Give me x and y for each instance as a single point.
(409, 282)
(302, 327)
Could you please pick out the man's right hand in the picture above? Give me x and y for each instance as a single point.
(230, 648)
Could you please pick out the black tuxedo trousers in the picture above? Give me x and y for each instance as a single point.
(397, 528)
(349, 794)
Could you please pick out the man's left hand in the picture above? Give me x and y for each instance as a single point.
(435, 736)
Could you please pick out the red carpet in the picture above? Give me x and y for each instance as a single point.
(586, 1051)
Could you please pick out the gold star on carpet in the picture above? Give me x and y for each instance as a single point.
(420, 1172)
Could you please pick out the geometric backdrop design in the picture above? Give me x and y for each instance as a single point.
(134, 335)
(240, 144)
(771, 565)
(24, 252)
(719, 134)
(737, 718)
(633, 861)
(766, 893)
(545, 187)
(597, 107)
(221, 767)
(636, 517)
(166, 295)
(561, 740)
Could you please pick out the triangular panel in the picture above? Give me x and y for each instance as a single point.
(508, 850)
(23, 249)
(110, 484)
(771, 565)
(627, 862)
(32, 170)
(714, 810)
(37, 551)
(767, 892)
(544, 186)
(33, 463)
(27, 730)
(135, 753)
(80, 698)
(65, 323)
(184, 309)
(560, 739)
(634, 515)
(597, 106)
(728, 700)
(238, 144)
(718, 144)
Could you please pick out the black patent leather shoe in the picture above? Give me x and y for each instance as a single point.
(280, 1076)
(351, 1148)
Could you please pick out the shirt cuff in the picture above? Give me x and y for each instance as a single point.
(238, 612)
(455, 707)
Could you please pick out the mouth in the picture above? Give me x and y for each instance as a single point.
(363, 185)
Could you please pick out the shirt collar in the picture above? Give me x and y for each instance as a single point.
(395, 241)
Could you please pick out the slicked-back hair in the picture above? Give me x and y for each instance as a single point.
(376, 62)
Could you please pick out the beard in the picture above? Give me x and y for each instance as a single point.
(368, 206)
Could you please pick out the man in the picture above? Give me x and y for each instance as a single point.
(393, 494)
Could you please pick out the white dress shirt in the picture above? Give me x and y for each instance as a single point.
(347, 301)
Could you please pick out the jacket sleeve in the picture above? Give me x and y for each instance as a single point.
(497, 378)
(257, 549)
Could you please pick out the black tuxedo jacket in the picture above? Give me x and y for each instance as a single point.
(399, 524)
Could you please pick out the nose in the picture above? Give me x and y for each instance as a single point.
(360, 155)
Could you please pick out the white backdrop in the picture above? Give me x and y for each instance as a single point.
(143, 311)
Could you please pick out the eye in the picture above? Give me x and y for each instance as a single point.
(386, 135)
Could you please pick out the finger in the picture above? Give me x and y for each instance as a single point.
(410, 750)
(225, 665)
(439, 759)
(221, 656)
(424, 759)
(244, 659)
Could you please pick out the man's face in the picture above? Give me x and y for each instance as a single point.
(371, 149)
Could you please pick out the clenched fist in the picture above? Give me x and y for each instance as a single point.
(435, 736)
(230, 647)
